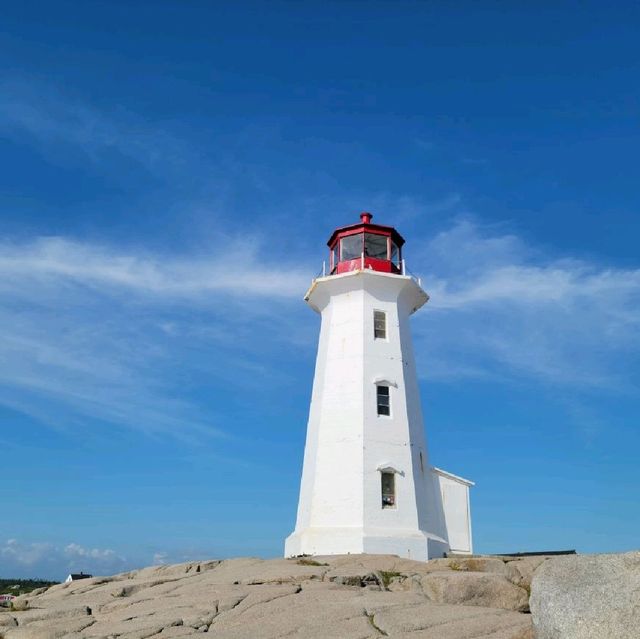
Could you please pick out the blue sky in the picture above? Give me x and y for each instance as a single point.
(170, 174)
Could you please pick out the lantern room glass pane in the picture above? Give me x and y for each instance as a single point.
(351, 247)
(375, 246)
(395, 254)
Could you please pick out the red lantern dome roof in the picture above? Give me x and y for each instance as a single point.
(365, 246)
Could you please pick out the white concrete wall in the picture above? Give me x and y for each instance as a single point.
(348, 443)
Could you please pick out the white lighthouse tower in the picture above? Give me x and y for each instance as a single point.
(367, 486)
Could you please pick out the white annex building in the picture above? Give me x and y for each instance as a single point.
(367, 485)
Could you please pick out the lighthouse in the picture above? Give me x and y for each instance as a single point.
(367, 484)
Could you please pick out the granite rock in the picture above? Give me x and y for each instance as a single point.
(587, 597)
(474, 589)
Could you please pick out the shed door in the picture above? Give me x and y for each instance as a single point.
(456, 512)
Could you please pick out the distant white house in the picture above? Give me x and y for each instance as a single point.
(76, 576)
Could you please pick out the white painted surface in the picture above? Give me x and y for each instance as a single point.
(457, 510)
(348, 444)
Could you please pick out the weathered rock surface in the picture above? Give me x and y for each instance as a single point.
(520, 571)
(587, 597)
(476, 589)
(340, 597)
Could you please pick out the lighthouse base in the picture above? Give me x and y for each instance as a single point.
(408, 544)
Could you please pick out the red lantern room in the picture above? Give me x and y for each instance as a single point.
(365, 245)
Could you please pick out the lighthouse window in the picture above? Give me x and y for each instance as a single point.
(379, 324)
(350, 247)
(395, 254)
(375, 246)
(383, 400)
(388, 481)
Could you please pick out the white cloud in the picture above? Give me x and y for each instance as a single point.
(25, 554)
(499, 307)
(44, 559)
(75, 551)
(238, 273)
(92, 333)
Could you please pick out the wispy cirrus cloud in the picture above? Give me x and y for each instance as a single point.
(48, 116)
(94, 332)
(239, 272)
(500, 307)
(487, 269)
(91, 333)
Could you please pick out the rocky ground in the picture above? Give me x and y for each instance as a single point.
(341, 597)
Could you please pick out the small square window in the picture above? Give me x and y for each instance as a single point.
(383, 400)
(379, 325)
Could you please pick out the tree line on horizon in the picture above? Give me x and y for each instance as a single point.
(23, 586)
